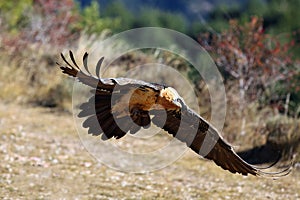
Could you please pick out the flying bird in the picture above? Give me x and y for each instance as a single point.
(122, 105)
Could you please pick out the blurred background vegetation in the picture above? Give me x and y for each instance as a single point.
(255, 44)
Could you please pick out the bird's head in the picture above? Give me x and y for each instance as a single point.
(171, 98)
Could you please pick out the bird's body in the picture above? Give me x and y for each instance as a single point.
(122, 105)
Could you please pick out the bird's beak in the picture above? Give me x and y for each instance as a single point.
(177, 102)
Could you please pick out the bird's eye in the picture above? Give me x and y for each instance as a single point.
(179, 101)
(183, 106)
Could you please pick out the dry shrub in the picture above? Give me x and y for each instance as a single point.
(284, 133)
(258, 70)
(28, 70)
(32, 77)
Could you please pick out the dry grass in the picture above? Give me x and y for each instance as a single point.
(33, 78)
(284, 132)
(41, 160)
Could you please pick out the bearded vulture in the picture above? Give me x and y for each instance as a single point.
(122, 105)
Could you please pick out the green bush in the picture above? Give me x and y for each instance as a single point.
(92, 22)
(155, 17)
(15, 14)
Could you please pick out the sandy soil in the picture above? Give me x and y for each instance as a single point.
(42, 158)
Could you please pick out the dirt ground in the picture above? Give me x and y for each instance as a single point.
(42, 158)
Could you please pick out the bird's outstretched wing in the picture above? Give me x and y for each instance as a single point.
(205, 140)
(111, 95)
(86, 77)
